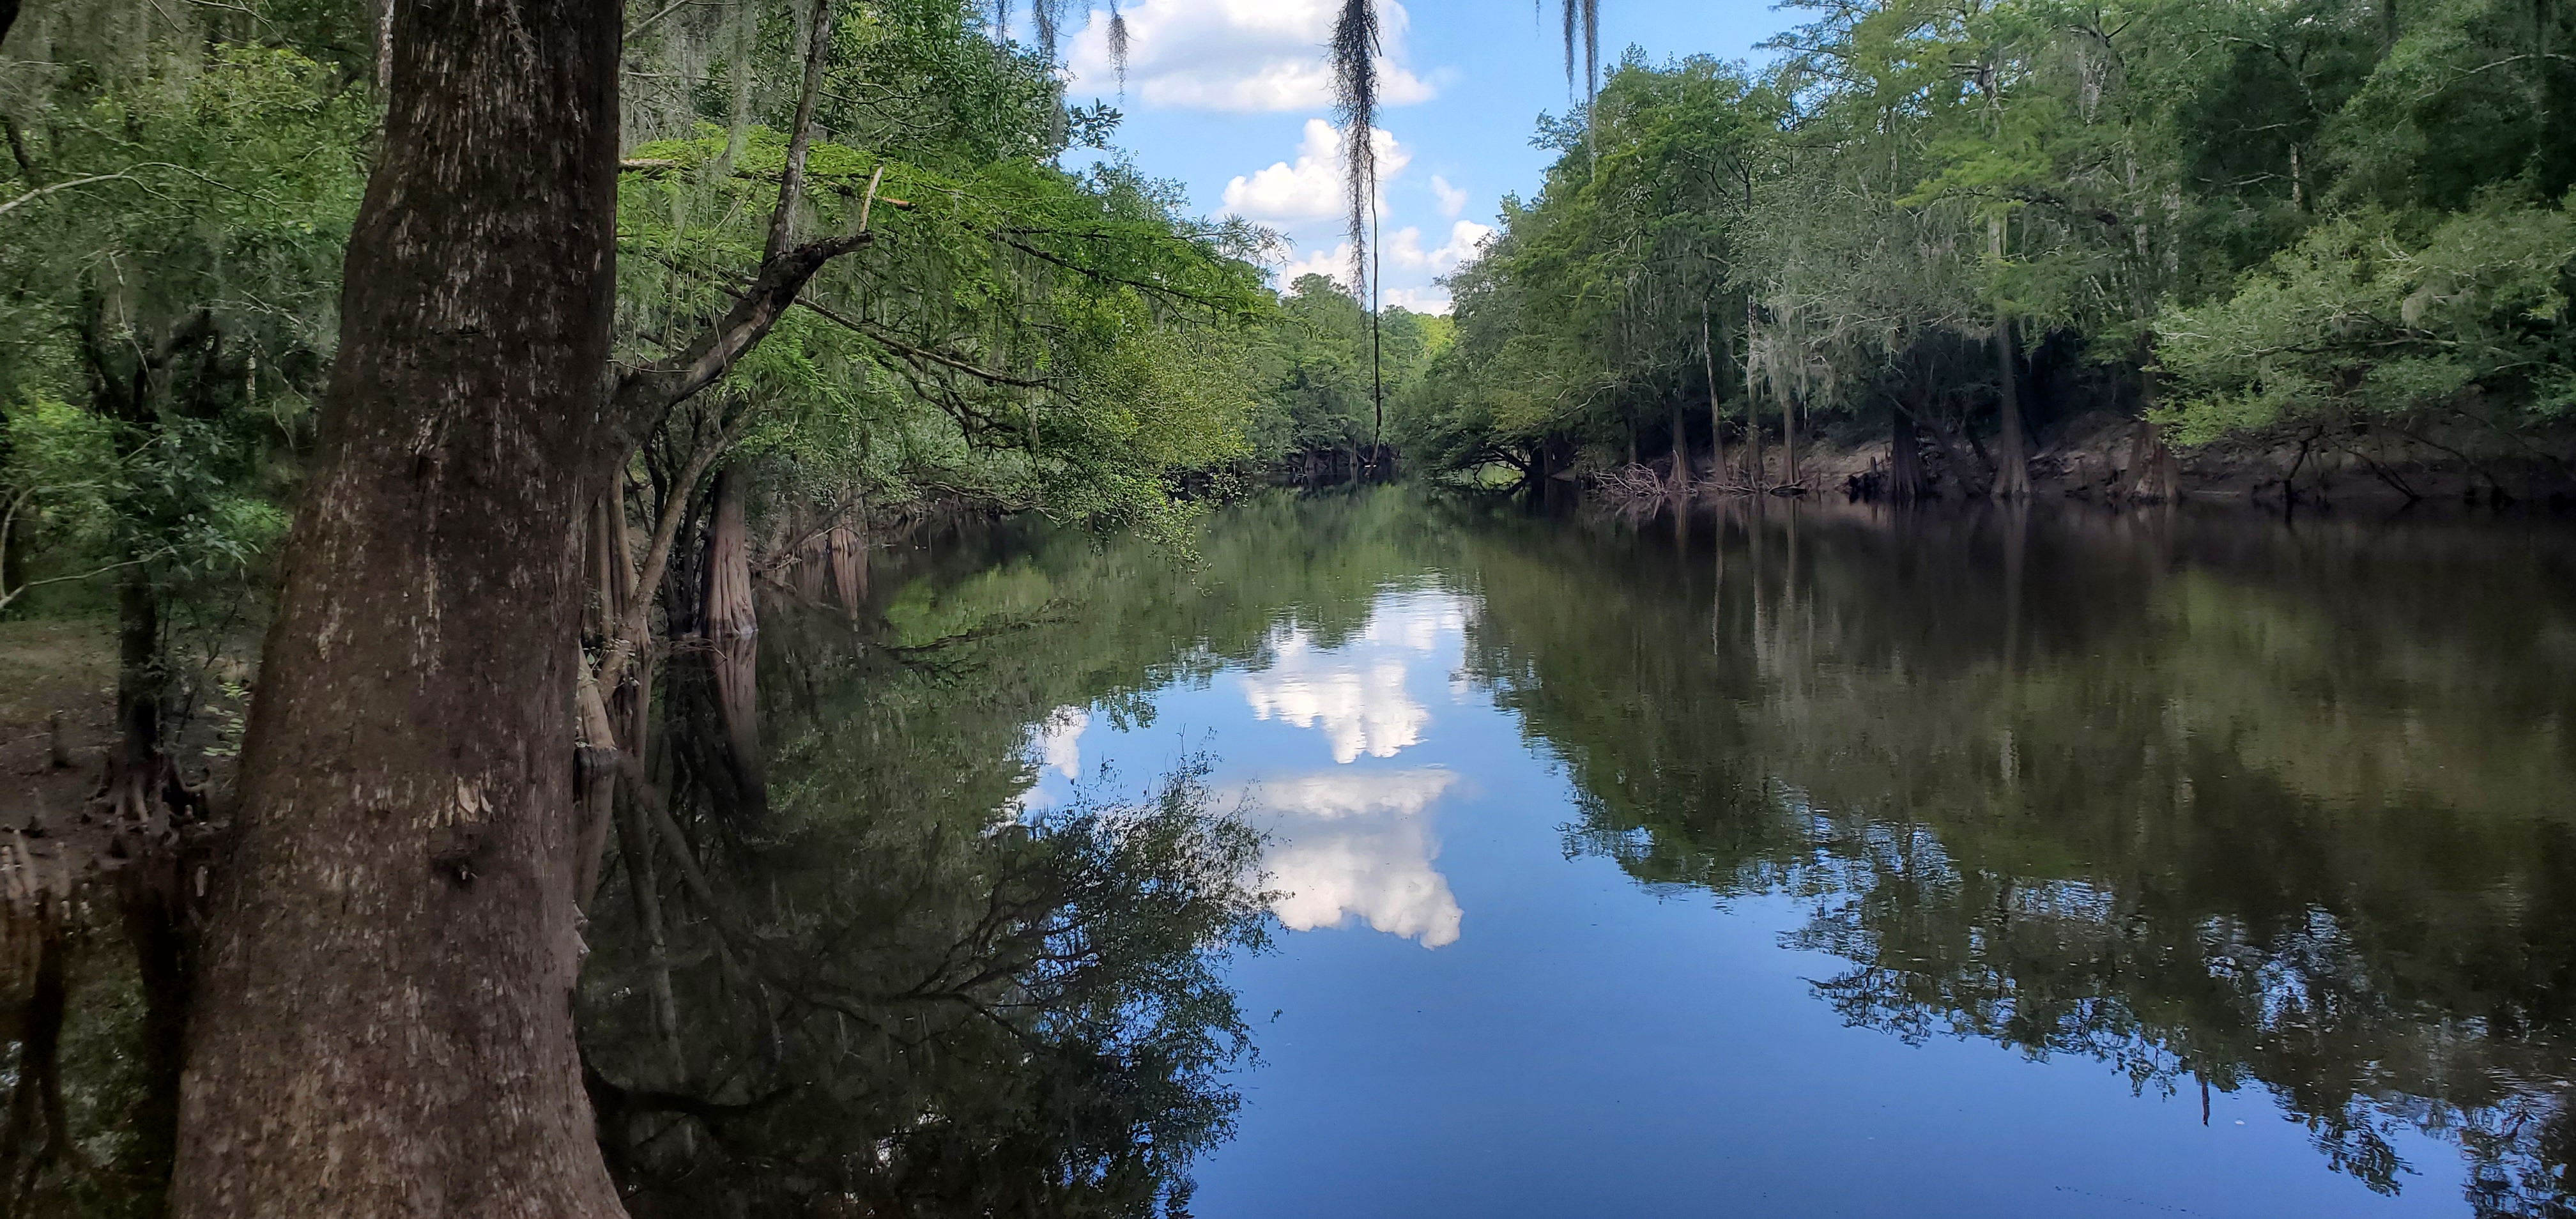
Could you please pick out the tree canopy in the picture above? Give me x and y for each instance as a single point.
(2319, 216)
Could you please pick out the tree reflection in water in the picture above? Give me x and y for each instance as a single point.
(904, 987)
(892, 990)
(2220, 803)
(2216, 802)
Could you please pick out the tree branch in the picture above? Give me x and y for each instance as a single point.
(791, 181)
(633, 628)
(874, 335)
(42, 191)
(635, 29)
(643, 395)
(1005, 238)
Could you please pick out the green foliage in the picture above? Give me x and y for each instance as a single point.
(2261, 188)
(1583, 320)
(1017, 334)
(1317, 367)
(2359, 321)
(177, 277)
(59, 457)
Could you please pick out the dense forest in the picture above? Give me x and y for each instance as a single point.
(2325, 242)
(499, 416)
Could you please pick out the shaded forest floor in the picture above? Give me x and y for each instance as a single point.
(54, 672)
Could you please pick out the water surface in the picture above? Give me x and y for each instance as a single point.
(1807, 860)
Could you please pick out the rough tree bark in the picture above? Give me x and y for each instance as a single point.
(2012, 458)
(35, 1096)
(385, 1024)
(134, 389)
(131, 767)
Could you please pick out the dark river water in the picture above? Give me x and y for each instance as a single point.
(1813, 860)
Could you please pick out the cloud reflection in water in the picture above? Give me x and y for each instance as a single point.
(1355, 693)
(1358, 843)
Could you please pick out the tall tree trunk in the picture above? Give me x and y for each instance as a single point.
(2012, 460)
(1905, 452)
(385, 1022)
(644, 887)
(1716, 412)
(2153, 473)
(1681, 451)
(35, 1098)
(849, 563)
(153, 895)
(1717, 583)
(2155, 476)
(732, 633)
(138, 681)
(1789, 439)
(1760, 475)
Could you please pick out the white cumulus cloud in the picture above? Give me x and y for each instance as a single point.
(1415, 623)
(1418, 300)
(1405, 247)
(1237, 54)
(1311, 188)
(1452, 199)
(1333, 264)
(1059, 741)
(1332, 795)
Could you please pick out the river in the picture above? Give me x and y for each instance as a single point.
(1807, 859)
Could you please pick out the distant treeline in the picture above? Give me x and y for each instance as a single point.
(2336, 225)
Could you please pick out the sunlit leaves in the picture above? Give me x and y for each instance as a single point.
(2371, 317)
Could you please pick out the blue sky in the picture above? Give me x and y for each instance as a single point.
(1230, 98)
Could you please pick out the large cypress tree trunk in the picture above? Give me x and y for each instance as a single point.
(2154, 474)
(849, 564)
(1905, 452)
(731, 627)
(133, 767)
(2012, 459)
(385, 1023)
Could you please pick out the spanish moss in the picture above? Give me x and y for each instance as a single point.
(1118, 44)
(1354, 53)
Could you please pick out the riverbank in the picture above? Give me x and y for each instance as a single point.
(2104, 456)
